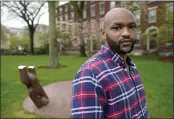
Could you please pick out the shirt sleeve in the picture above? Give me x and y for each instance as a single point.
(85, 96)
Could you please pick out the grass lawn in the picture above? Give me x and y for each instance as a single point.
(156, 76)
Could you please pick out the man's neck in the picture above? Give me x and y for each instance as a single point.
(124, 57)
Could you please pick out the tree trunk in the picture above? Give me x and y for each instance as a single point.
(82, 42)
(31, 41)
(52, 36)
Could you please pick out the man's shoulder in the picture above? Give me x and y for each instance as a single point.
(90, 69)
(95, 62)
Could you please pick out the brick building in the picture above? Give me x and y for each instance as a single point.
(149, 19)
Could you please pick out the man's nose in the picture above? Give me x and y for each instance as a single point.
(125, 32)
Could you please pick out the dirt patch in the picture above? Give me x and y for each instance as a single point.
(48, 67)
(166, 59)
(59, 94)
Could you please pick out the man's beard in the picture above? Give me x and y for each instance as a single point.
(116, 46)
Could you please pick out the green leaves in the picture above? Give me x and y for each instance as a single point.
(78, 7)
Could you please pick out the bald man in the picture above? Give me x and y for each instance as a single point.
(108, 85)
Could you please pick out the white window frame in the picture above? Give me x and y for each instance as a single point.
(102, 11)
(111, 3)
(85, 13)
(167, 34)
(85, 3)
(72, 14)
(135, 14)
(66, 17)
(60, 18)
(60, 9)
(92, 12)
(149, 17)
(167, 9)
(66, 9)
(138, 37)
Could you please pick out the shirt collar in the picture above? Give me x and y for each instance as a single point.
(116, 57)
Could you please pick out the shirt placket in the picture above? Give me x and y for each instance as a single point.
(138, 97)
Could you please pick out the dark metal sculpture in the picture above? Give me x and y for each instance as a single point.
(36, 92)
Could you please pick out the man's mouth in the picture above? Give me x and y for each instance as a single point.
(126, 42)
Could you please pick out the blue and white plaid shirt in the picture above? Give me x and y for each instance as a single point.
(102, 88)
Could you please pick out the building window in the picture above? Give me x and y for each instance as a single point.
(169, 36)
(60, 9)
(66, 17)
(101, 22)
(137, 15)
(72, 16)
(112, 4)
(66, 9)
(92, 10)
(169, 11)
(152, 14)
(85, 13)
(102, 7)
(85, 3)
(137, 43)
(60, 18)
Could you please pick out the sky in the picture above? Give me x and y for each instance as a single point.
(19, 23)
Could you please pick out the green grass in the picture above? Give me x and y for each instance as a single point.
(156, 76)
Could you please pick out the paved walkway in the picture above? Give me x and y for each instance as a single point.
(59, 105)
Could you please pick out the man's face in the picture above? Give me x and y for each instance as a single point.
(121, 33)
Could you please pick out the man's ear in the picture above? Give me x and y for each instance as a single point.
(103, 32)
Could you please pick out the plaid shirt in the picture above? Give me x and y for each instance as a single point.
(102, 88)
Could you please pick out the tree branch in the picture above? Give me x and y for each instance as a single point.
(38, 20)
(38, 10)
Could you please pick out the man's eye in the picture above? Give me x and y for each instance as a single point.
(132, 27)
(116, 28)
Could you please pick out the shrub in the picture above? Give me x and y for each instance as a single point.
(18, 52)
(43, 50)
(5, 51)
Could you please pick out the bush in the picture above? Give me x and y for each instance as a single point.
(43, 50)
(5, 51)
(18, 52)
(13, 52)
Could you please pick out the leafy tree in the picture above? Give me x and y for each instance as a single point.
(133, 5)
(14, 41)
(30, 12)
(4, 35)
(79, 7)
(41, 38)
(64, 33)
(25, 41)
(165, 27)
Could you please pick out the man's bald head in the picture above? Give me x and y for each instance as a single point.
(117, 14)
(119, 30)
